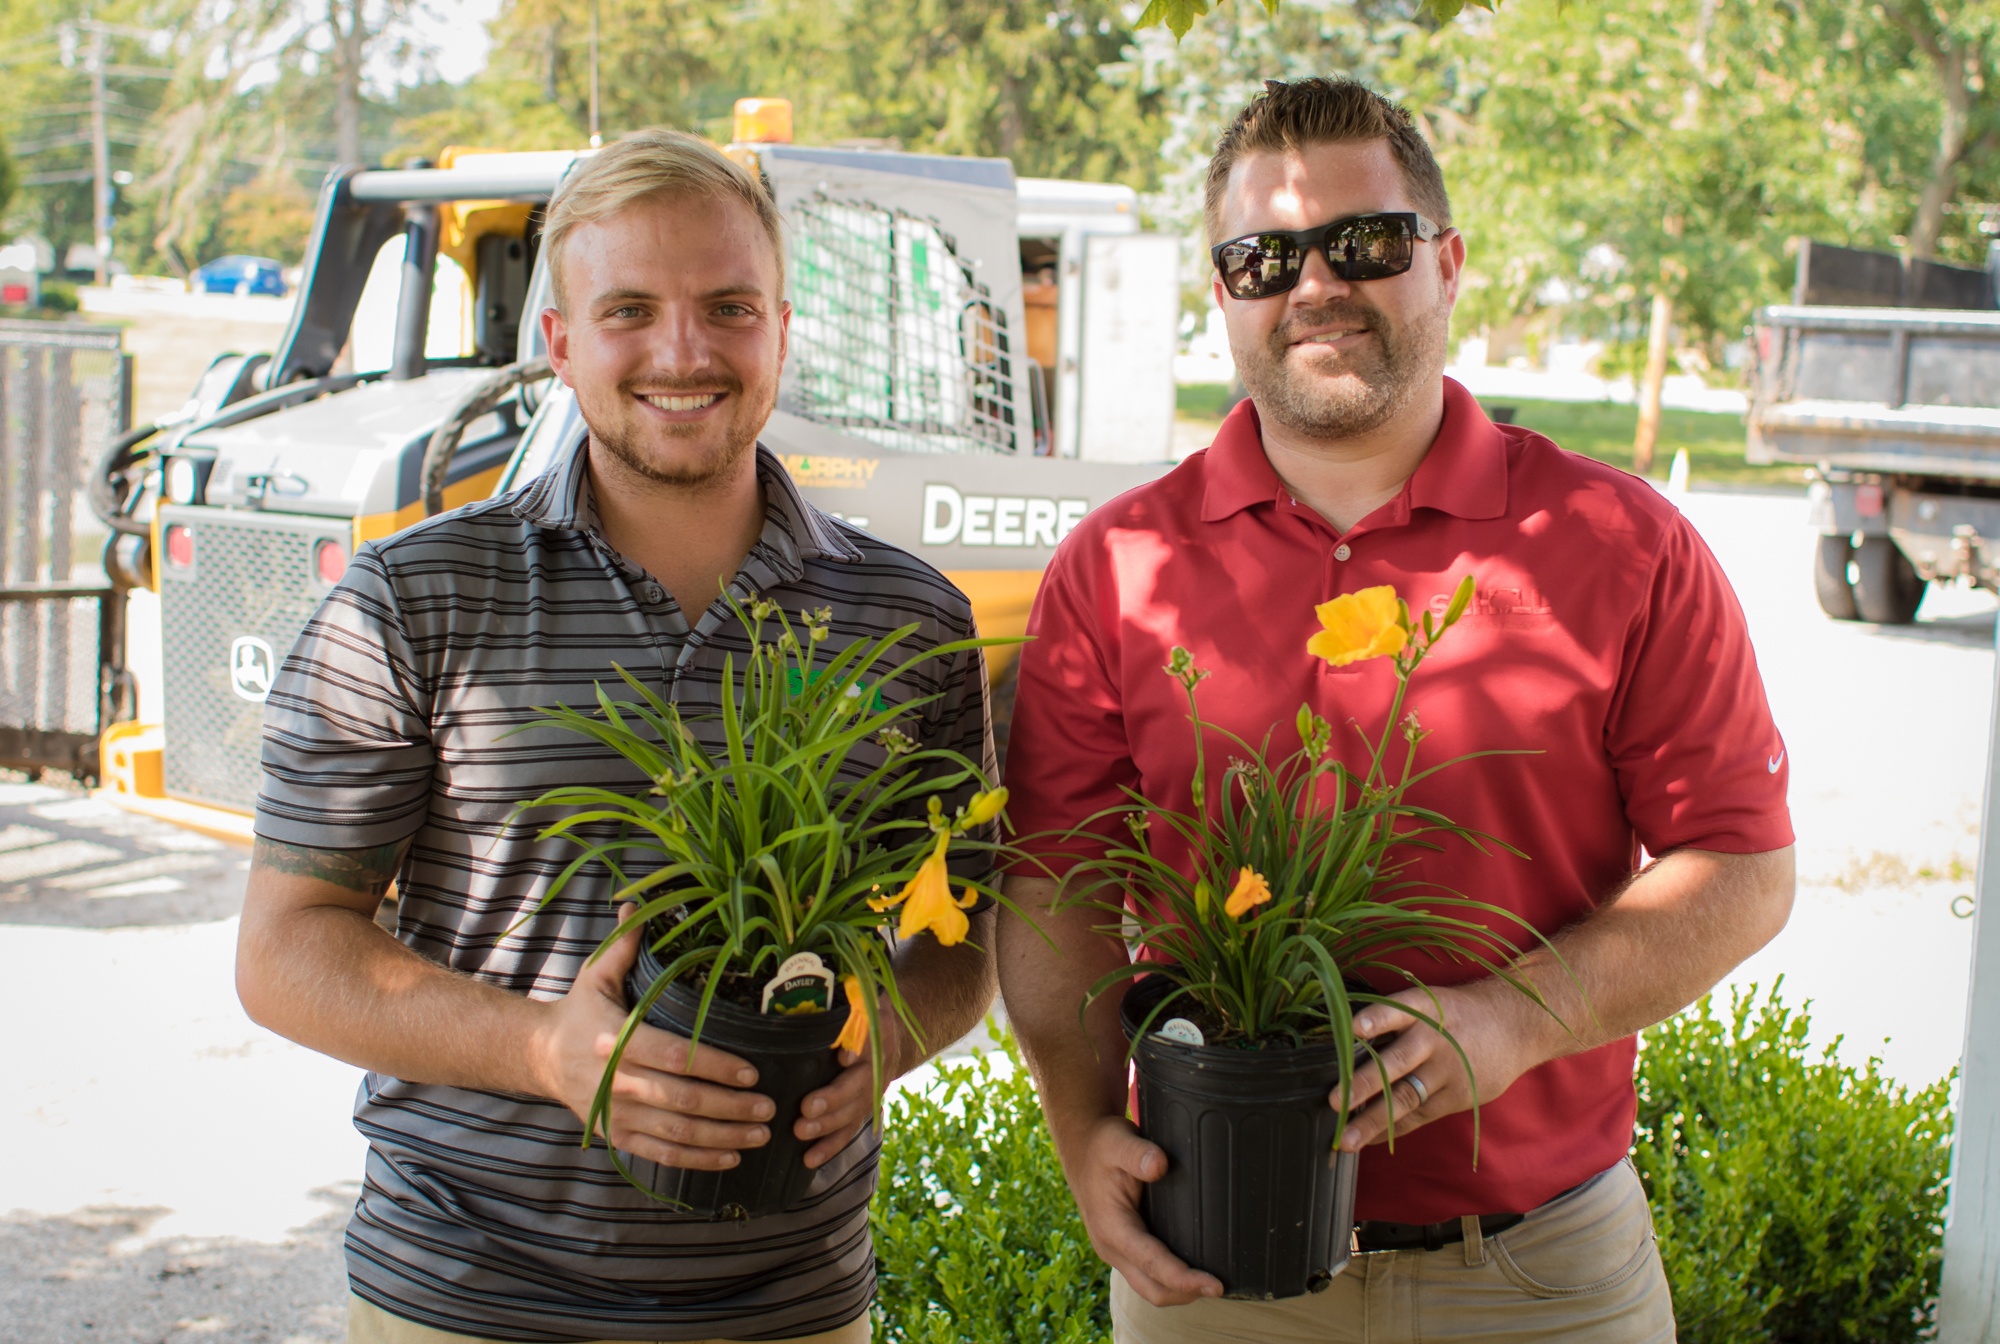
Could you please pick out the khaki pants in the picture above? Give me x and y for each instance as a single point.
(1582, 1268)
(369, 1324)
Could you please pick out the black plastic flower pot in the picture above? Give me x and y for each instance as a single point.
(793, 1056)
(1255, 1193)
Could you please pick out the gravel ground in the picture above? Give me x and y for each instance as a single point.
(177, 1173)
(95, 1274)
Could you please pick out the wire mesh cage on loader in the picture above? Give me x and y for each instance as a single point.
(893, 337)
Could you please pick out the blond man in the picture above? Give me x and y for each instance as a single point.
(387, 756)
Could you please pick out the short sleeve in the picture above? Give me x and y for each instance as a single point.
(348, 759)
(1068, 756)
(1690, 735)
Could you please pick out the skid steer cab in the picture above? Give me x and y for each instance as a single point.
(948, 373)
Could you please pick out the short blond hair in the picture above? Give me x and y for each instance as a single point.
(648, 165)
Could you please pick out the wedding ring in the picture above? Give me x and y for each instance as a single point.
(1417, 1086)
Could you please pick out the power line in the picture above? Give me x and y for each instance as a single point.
(53, 179)
(59, 110)
(22, 149)
(101, 135)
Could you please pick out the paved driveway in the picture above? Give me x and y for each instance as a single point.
(173, 1171)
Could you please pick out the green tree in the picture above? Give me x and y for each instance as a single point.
(45, 102)
(1049, 84)
(658, 65)
(266, 96)
(1179, 16)
(1932, 67)
(7, 178)
(1656, 156)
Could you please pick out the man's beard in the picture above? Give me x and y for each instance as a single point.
(625, 436)
(1375, 381)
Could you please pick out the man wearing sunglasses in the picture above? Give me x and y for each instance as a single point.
(1602, 638)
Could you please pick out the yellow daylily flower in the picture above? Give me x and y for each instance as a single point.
(854, 1035)
(984, 807)
(927, 901)
(1355, 626)
(1251, 890)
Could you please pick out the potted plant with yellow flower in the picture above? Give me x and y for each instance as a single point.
(1260, 946)
(766, 861)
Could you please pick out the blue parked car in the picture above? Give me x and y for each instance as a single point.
(240, 275)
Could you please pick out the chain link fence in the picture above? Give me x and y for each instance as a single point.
(893, 339)
(65, 392)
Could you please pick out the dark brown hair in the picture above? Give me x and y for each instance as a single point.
(1293, 115)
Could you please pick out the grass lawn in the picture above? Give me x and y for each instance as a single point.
(1599, 429)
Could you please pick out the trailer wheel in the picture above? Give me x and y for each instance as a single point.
(1830, 585)
(1887, 587)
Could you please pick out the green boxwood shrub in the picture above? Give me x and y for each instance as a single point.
(976, 1237)
(1798, 1200)
(59, 297)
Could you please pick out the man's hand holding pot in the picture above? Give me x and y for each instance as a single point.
(1501, 1033)
(679, 1106)
(1111, 1164)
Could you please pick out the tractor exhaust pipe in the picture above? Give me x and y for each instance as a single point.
(413, 301)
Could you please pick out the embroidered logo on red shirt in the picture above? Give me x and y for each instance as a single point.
(1499, 600)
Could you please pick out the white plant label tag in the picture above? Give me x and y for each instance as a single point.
(1182, 1030)
(802, 985)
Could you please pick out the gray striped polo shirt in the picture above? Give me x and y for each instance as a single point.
(480, 1213)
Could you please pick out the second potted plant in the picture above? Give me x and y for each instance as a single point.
(1256, 954)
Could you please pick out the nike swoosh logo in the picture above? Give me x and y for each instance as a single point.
(1774, 762)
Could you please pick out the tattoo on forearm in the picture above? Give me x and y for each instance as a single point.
(368, 870)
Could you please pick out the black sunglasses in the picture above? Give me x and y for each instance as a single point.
(1360, 247)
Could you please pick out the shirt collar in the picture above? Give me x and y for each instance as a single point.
(559, 499)
(1464, 473)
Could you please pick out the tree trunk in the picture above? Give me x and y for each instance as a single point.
(348, 43)
(1943, 183)
(1947, 61)
(551, 61)
(1013, 126)
(1650, 382)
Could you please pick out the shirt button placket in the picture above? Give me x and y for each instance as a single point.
(1343, 552)
(661, 641)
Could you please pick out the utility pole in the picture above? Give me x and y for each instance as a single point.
(100, 158)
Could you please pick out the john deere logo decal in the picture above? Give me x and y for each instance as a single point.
(252, 665)
(830, 473)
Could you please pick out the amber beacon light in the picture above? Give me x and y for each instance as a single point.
(763, 121)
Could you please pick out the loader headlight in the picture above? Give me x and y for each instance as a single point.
(183, 482)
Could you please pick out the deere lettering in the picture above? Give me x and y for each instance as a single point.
(997, 520)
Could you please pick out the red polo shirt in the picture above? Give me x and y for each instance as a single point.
(1603, 636)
